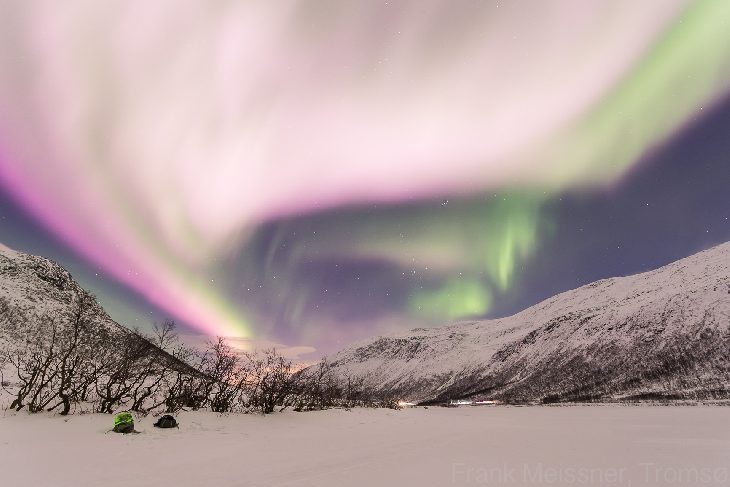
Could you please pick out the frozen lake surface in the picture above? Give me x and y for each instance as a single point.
(575, 445)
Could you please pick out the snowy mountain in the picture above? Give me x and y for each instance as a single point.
(660, 334)
(38, 285)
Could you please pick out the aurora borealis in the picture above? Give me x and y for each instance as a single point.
(313, 172)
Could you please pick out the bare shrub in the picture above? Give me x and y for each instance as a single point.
(60, 361)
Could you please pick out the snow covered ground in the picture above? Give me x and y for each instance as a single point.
(573, 445)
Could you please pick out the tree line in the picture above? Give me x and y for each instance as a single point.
(66, 361)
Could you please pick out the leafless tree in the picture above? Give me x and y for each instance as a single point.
(75, 348)
(317, 387)
(220, 367)
(59, 360)
(31, 356)
(157, 370)
(270, 380)
(120, 369)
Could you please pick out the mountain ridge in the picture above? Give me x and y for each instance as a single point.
(581, 344)
(37, 286)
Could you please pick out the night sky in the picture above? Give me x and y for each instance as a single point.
(321, 172)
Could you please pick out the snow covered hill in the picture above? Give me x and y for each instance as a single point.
(660, 334)
(38, 285)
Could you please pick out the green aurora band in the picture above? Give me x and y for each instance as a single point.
(681, 75)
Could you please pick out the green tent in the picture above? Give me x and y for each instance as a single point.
(123, 422)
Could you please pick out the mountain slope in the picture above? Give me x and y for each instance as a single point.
(663, 333)
(38, 286)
